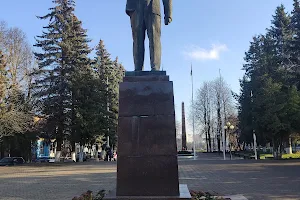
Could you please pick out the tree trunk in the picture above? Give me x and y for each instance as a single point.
(29, 154)
(1, 150)
(73, 153)
(58, 149)
(213, 141)
(209, 137)
(290, 149)
(206, 138)
(219, 119)
(280, 148)
(103, 153)
(9, 148)
(81, 154)
(219, 143)
(96, 153)
(225, 135)
(276, 148)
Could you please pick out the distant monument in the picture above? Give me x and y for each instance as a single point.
(147, 165)
(145, 16)
(184, 147)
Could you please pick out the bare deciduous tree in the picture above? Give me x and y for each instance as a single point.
(213, 105)
(203, 111)
(19, 57)
(223, 104)
(17, 65)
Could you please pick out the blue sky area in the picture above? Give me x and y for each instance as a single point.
(211, 34)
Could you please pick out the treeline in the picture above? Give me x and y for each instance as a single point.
(270, 89)
(58, 92)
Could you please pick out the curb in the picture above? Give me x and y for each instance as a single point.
(235, 197)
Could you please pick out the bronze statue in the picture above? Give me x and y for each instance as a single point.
(146, 15)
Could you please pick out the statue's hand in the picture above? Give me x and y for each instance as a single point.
(168, 20)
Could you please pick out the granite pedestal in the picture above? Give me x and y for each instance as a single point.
(147, 154)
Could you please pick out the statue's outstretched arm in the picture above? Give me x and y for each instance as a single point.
(168, 11)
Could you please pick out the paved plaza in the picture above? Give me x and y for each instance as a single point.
(254, 179)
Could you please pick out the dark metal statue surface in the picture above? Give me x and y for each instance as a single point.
(145, 16)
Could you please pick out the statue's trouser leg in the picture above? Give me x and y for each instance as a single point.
(138, 34)
(153, 25)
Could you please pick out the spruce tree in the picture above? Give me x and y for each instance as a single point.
(88, 93)
(281, 33)
(53, 83)
(269, 70)
(245, 111)
(103, 69)
(80, 71)
(283, 37)
(110, 74)
(295, 44)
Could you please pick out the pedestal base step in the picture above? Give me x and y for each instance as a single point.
(183, 189)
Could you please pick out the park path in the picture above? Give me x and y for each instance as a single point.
(257, 180)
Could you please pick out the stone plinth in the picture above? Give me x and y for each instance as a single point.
(147, 153)
(183, 190)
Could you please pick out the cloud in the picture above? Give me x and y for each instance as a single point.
(200, 54)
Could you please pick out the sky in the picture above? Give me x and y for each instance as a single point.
(211, 35)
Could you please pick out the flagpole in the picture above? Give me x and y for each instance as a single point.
(224, 135)
(193, 113)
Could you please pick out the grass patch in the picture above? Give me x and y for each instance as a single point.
(291, 156)
(266, 156)
(284, 156)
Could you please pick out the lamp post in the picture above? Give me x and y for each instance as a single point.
(227, 127)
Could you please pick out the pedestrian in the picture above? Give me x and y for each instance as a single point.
(107, 154)
(110, 154)
(115, 156)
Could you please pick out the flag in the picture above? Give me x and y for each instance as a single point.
(191, 69)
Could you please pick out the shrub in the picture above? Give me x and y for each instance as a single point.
(195, 196)
(185, 152)
(89, 196)
(204, 196)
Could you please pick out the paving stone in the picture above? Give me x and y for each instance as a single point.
(255, 180)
